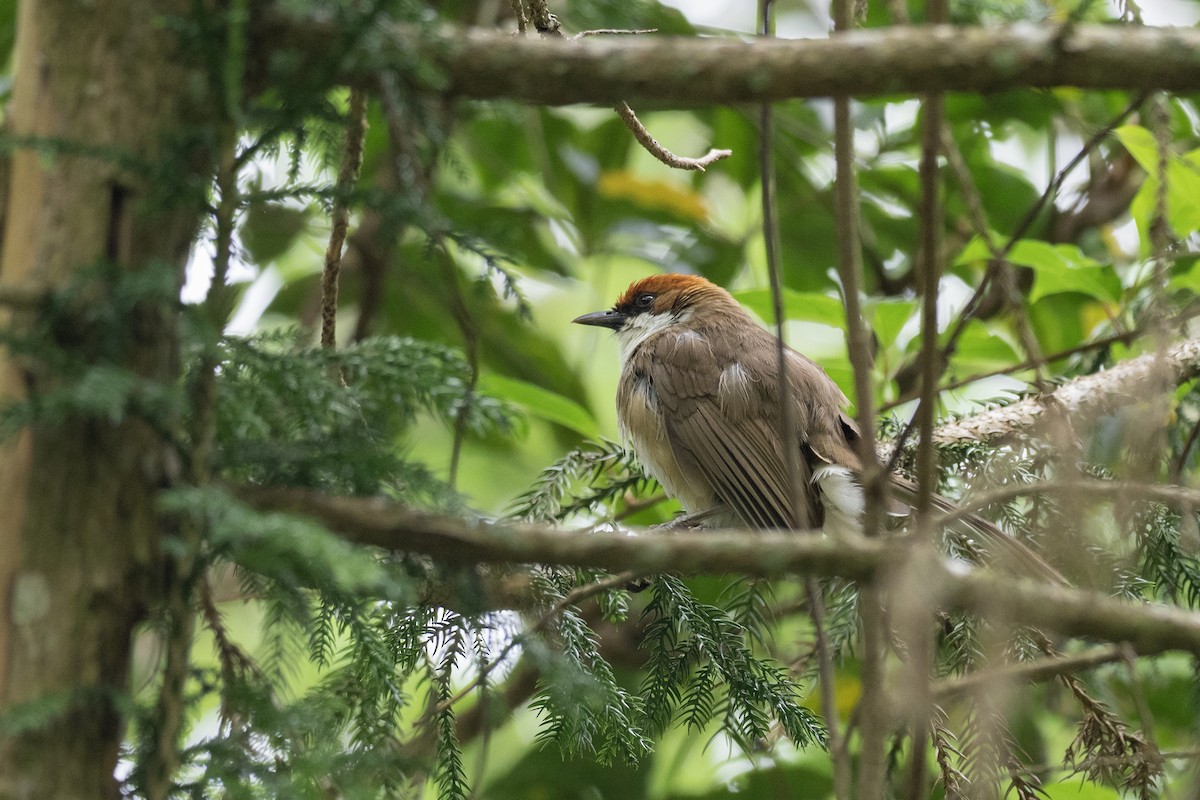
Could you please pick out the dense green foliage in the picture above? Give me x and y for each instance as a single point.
(325, 669)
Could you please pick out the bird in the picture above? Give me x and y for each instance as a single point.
(699, 403)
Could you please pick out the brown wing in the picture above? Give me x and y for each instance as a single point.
(723, 421)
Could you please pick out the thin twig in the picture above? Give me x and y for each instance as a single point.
(1124, 337)
(1181, 462)
(1107, 490)
(874, 702)
(614, 32)
(470, 334)
(547, 24)
(918, 601)
(1006, 275)
(801, 508)
(356, 134)
(518, 7)
(1034, 212)
(661, 153)
(163, 760)
(1026, 671)
(826, 679)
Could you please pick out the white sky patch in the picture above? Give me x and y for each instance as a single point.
(1169, 12)
(199, 272)
(497, 630)
(254, 303)
(1127, 235)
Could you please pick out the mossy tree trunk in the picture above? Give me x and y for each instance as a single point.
(103, 95)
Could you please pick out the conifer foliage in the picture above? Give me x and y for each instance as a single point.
(272, 653)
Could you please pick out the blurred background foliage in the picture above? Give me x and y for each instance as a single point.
(479, 230)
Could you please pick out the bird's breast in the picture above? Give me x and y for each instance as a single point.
(639, 418)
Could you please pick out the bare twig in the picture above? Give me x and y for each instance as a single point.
(163, 760)
(518, 7)
(356, 132)
(918, 602)
(1124, 337)
(1006, 272)
(874, 702)
(827, 677)
(801, 508)
(1031, 216)
(1175, 496)
(470, 334)
(1181, 462)
(547, 23)
(614, 32)
(1027, 671)
(661, 153)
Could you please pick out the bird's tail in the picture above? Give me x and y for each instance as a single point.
(981, 537)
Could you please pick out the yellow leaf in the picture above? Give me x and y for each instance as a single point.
(658, 195)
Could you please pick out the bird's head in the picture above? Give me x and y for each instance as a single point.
(662, 301)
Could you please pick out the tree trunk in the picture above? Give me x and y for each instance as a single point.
(101, 92)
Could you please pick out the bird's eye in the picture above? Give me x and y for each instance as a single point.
(645, 300)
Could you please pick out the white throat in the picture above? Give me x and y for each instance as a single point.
(641, 327)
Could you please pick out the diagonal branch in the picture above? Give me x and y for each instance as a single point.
(1147, 628)
(1082, 399)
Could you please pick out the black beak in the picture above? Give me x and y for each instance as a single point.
(602, 319)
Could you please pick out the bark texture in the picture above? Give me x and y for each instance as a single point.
(693, 71)
(1147, 627)
(100, 91)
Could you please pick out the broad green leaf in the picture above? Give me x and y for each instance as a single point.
(1058, 268)
(1188, 280)
(541, 403)
(1183, 184)
(889, 317)
(980, 348)
(270, 229)
(1141, 145)
(806, 306)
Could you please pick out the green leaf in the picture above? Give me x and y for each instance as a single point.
(1188, 280)
(541, 403)
(980, 348)
(1183, 184)
(1059, 268)
(806, 306)
(889, 317)
(270, 229)
(1141, 145)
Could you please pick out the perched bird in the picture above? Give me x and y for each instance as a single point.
(699, 403)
